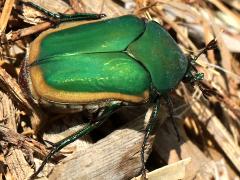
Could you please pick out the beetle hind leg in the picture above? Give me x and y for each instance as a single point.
(60, 17)
(152, 121)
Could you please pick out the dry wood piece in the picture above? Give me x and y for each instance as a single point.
(32, 17)
(219, 133)
(172, 171)
(17, 164)
(117, 156)
(12, 156)
(170, 150)
(9, 115)
(12, 88)
(5, 14)
(108, 7)
(22, 142)
(16, 35)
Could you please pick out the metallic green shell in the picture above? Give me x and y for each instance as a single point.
(113, 35)
(123, 55)
(89, 60)
(96, 72)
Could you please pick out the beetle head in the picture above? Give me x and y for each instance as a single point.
(192, 75)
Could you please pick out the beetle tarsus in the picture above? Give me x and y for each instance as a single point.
(50, 154)
(50, 143)
(149, 128)
(102, 16)
(144, 176)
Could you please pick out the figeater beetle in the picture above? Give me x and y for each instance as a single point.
(105, 64)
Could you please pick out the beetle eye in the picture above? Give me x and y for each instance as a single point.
(192, 75)
(197, 77)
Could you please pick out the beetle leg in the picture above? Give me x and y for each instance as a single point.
(86, 130)
(59, 17)
(79, 16)
(149, 128)
(210, 46)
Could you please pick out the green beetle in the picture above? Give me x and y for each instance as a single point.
(81, 63)
(103, 65)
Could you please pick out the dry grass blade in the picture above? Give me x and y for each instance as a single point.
(219, 133)
(6, 14)
(12, 88)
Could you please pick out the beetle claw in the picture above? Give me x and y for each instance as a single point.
(102, 16)
(50, 143)
(144, 175)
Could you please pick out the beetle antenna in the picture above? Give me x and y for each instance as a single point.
(50, 143)
(197, 77)
(211, 45)
(170, 112)
(192, 75)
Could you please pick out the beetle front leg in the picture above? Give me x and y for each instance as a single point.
(60, 17)
(148, 130)
(86, 130)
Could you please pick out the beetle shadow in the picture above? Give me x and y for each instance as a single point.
(165, 140)
(123, 118)
(166, 145)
